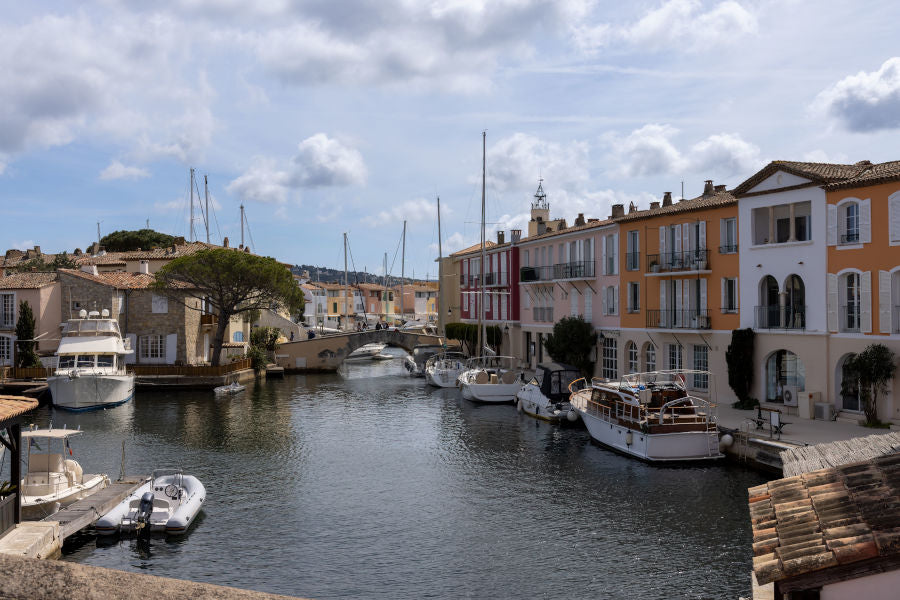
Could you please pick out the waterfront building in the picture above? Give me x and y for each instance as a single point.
(862, 238)
(567, 271)
(378, 302)
(42, 292)
(679, 286)
(314, 310)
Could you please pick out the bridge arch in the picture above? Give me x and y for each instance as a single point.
(326, 353)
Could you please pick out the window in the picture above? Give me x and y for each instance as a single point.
(611, 300)
(850, 320)
(675, 357)
(105, 360)
(610, 266)
(159, 304)
(85, 361)
(650, 358)
(632, 258)
(610, 358)
(729, 295)
(151, 347)
(632, 351)
(8, 310)
(120, 300)
(634, 297)
(334, 307)
(850, 224)
(784, 373)
(728, 236)
(5, 350)
(65, 361)
(701, 363)
(237, 336)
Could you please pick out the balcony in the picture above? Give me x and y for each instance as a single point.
(691, 260)
(728, 249)
(494, 279)
(632, 261)
(543, 314)
(849, 318)
(851, 237)
(209, 319)
(678, 319)
(529, 274)
(583, 269)
(780, 317)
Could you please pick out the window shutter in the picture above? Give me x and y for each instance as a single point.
(171, 347)
(831, 239)
(723, 241)
(678, 303)
(662, 242)
(615, 299)
(603, 255)
(722, 304)
(615, 247)
(130, 359)
(832, 281)
(662, 304)
(865, 301)
(685, 237)
(604, 308)
(865, 221)
(884, 302)
(702, 296)
(702, 226)
(894, 212)
(588, 306)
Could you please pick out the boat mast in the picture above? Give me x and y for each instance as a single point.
(242, 226)
(346, 288)
(402, 270)
(481, 333)
(440, 297)
(206, 215)
(192, 204)
(384, 289)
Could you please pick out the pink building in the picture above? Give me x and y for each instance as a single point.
(42, 292)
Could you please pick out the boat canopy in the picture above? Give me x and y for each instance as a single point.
(555, 379)
(91, 345)
(91, 327)
(51, 433)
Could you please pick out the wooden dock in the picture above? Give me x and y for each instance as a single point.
(86, 511)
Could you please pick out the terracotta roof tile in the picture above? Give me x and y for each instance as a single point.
(13, 406)
(27, 281)
(116, 279)
(476, 248)
(719, 198)
(817, 173)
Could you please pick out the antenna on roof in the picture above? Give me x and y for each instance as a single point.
(682, 189)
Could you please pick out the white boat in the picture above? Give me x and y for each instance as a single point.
(232, 388)
(53, 480)
(442, 370)
(384, 356)
(651, 416)
(546, 395)
(415, 362)
(90, 364)
(367, 351)
(494, 379)
(168, 502)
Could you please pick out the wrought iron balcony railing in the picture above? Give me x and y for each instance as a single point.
(678, 318)
(583, 269)
(690, 260)
(791, 316)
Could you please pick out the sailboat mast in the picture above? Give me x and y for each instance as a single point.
(346, 288)
(242, 225)
(192, 204)
(384, 289)
(481, 333)
(440, 298)
(402, 270)
(206, 219)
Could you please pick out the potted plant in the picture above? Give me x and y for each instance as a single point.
(654, 266)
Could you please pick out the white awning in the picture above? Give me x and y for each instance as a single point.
(50, 433)
(91, 345)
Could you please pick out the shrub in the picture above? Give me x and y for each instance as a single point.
(572, 341)
(739, 358)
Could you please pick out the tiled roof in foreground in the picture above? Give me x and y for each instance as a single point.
(826, 518)
(27, 281)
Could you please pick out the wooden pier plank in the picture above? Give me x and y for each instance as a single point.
(86, 511)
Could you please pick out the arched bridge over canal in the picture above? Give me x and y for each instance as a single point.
(326, 353)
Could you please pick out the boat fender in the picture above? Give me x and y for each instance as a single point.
(519, 405)
(629, 438)
(726, 441)
(572, 416)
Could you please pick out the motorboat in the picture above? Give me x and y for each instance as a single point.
(442, 370)
(54, 479)
(384, 356)
(546, 395)
(415, 362)
(493, 379)
(367, 351)
(652, 416)
(90, 364)
(418, 326)
(227, 390)
(167, 503)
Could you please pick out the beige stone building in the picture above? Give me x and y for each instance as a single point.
(42, 292)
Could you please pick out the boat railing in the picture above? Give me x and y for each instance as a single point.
(701, 409)
(504, 363)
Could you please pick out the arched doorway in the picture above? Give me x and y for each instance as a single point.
(795, 302)
(847, 386)
(767, 313)
(785, 377)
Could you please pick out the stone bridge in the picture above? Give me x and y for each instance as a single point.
(326, 353)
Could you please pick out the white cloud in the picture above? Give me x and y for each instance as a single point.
(116, 170)
(724, 154)
(866, 101)
(674, 25)
(262, 182)
(414, 211)
(820, 156)
(520, 159)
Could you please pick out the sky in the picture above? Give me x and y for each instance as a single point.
(325, 117)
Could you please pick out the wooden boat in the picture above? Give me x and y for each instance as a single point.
(652, 416)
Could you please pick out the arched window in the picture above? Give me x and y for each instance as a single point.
(785, 377)
(632, 353)
(795, 307)
(649, 357)
(768, 314)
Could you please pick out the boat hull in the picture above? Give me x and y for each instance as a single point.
(445, 378)
(38, 507)
(657, 447)
(89, 392)
(533, 403)
(175, 522)
(492, 393)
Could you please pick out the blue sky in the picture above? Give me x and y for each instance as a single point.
(324, 117)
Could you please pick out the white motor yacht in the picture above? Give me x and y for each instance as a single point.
(546, 395)
(90, 368)
(652, 416)
(54, 479)
(367, 351)
(493, 379)
(168, 502)
(442, 370)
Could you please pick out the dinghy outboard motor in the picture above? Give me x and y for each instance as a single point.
(145, 509)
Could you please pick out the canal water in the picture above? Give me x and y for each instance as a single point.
(368, 484)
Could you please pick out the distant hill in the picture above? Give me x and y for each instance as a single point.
(326, 275)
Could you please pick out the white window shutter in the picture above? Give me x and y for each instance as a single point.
(130, 359)
(722, 233)
(832, 284)
(702, 235)
(678, 304)
(865, 221)
(894, 216)
(171, 347)
(865, 301)
(615, 299)
(603, 256)
(831, 239)
(884, 302)
(662, 244)
(588, 306)
(722, 295)
(615, 248)
(686, 239)
(573, 304)
(703, 295)
(604, 308)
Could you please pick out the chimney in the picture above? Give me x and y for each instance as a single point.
(618, 210)
(654, 205)
(501, 238)
(667, 199)
(708, 189)
(90, 269)
(515, 235)
(145, 267)
(720, 188)
(579, 220)
(37, 250)
(225, 242)
(179, 241)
